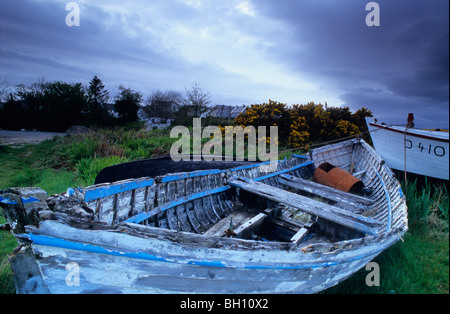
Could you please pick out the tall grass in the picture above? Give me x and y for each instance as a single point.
(426, 203)
(20, 168)
(62, 162)
(7, 244)
(420, 262)
(88, 168)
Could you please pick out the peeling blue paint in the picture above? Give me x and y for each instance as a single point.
(7, 201)
(251, 166)
(30, 199)
(72, 245)
(105, 191)
(187, 175)
(299, 156)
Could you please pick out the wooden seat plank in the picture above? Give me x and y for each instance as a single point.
(299, 236)
(324, 191)
(237, 217)
(310, 206)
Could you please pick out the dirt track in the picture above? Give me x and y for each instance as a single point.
(25, 137)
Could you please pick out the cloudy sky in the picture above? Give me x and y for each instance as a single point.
(242, 51)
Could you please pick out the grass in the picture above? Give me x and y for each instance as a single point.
(418, 264)
(19, 167)
(7, 244)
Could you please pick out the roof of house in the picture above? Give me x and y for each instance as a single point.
(229, 112)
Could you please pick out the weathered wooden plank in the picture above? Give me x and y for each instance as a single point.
(324, 191)
(201, 213)
(182, 200)
(285, 225)
(20, 206)
(183, 219)
(295, 222)
(27, 275)
(244, 230)
(310, 206)
(193, 174)
(236, 218)
(123, 205)
(277, 173)
(192, 218)
(96, 192)
(299, 236)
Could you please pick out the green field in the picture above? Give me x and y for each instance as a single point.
(418, 264)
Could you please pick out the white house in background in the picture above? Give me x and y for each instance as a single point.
(153, 122)
(227, 112)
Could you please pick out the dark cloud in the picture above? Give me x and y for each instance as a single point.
(401, 65)
(242, 51)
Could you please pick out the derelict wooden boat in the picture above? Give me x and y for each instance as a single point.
(239, 230)
(426, 151)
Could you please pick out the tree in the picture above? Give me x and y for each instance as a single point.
(272, 114)
(11, 114)
(298, 135)
(64, 105)
(163, 104)
(98, 96)
(198, 99)
(127, 104)
(359, 117)
(339, 113)
(343, 128)
(5, 90)
(316, 117)
(32, 99)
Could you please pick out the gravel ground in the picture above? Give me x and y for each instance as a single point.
(25, 137)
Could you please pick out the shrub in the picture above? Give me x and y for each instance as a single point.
(301, 124)
(88, 168)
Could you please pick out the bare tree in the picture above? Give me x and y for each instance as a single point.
(163, 104)
(198, 100)
(5, 89)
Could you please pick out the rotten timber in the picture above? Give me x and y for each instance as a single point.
(310, 206)
(324, 191)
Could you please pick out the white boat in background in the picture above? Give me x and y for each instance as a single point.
(417, 151)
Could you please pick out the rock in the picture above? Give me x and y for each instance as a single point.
(79, 129)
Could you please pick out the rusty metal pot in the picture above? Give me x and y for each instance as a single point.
(337, 178)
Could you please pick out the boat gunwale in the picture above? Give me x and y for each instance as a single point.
(410, 132)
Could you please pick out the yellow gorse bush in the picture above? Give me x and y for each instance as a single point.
(299, 125)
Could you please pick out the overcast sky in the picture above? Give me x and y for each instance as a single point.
(242, 51)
